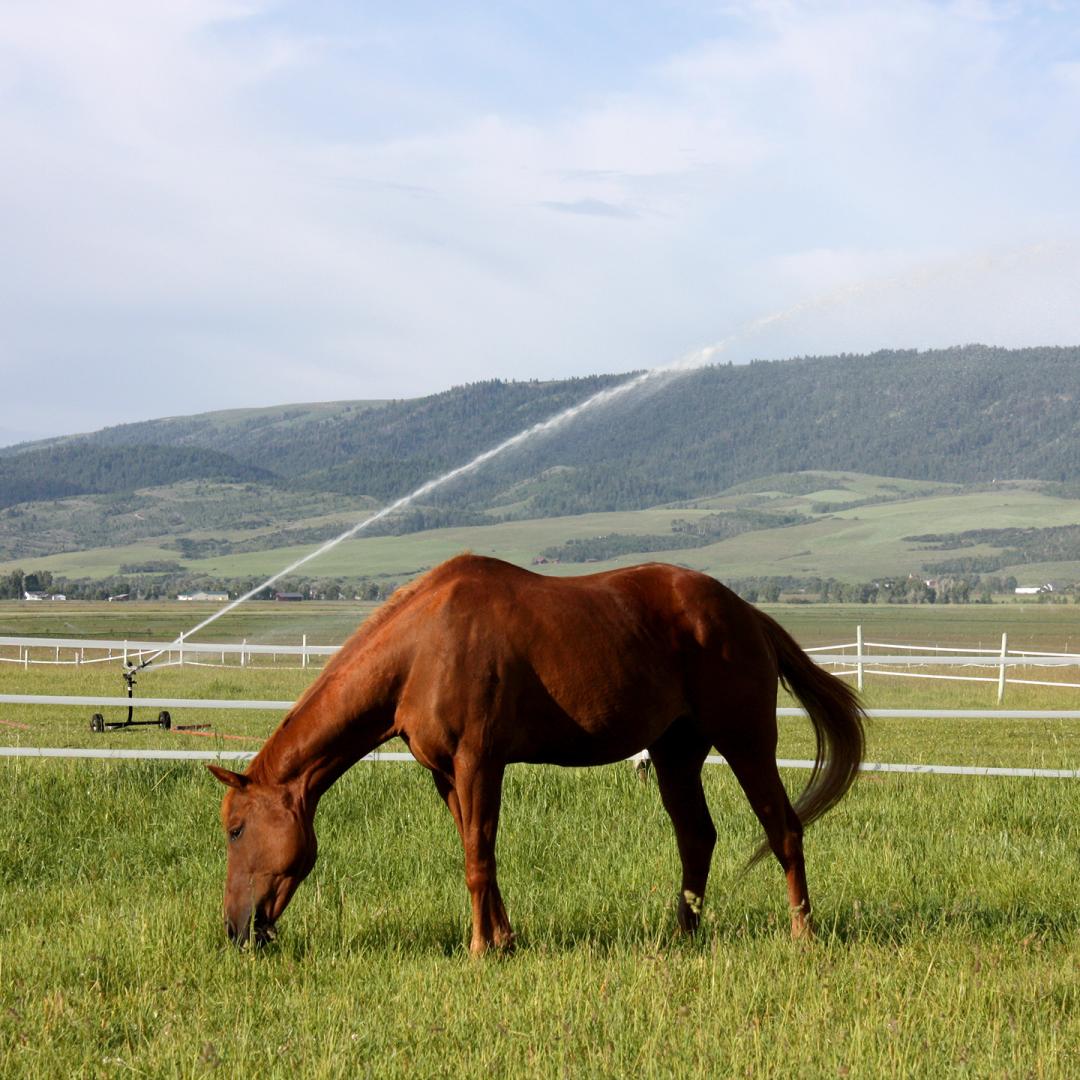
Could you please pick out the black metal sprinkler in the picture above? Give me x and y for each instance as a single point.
(164, 720)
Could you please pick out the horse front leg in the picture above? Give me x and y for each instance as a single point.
(479, 795)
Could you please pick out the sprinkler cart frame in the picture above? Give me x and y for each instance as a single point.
(97, 721)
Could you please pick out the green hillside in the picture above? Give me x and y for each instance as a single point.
(841, 526)
(959, 463)
(971, 414)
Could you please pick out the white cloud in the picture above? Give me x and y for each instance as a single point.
(217, 204)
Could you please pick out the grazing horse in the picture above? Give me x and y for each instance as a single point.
(478, 664)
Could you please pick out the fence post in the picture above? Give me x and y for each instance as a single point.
(125, 653)
(26, 658)
(1001, 672)
(859, 663)
(303, 655)
(181, 641)
(243, 656)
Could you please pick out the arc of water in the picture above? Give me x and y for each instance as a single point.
(689, 362)
(601, 397)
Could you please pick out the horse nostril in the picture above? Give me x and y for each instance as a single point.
(237, 932)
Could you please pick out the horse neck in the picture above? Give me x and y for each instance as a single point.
(343, 716)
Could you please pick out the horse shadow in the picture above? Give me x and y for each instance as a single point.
(846, 926)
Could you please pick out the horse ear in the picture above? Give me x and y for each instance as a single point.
(236, 780)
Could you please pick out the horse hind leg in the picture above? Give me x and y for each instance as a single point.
(759, 778)
(677, 757)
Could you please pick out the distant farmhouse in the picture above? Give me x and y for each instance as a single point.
(288, 596)
(1034, 590)
(215, 596)
(43, 596)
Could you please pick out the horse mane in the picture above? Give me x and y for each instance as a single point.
(371, 625)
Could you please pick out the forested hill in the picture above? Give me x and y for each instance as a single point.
(965, 414)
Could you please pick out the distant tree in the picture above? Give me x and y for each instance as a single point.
(12, 585)
(38, 581)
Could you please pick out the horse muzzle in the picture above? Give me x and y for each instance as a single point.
(259, 930)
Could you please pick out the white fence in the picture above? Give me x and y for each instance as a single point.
(865, 662)
(73, 651)
(895, 660)
(241, 756)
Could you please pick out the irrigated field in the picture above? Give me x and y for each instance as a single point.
(855, 528)
(946, 908)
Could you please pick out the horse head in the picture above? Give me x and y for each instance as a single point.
(271, 849)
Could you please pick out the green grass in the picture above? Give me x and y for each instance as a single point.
(946, 906)
(942, 951)
(1053, 627)
(262, 622)
(854, 544)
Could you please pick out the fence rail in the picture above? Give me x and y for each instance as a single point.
(274, 706)
(897, 661)
(379, 755)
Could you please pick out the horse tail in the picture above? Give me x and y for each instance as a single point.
(837, 718)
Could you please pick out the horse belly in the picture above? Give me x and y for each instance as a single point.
(564, 736)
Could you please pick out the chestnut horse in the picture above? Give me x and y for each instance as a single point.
(478, 664)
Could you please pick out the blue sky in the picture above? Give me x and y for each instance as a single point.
(225, 203)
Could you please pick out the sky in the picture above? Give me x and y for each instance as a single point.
(211, 204)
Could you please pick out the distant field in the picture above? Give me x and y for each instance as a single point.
(843, 536)
(1054, 627)
(261, 622)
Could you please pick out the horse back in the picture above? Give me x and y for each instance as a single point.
(566, 670)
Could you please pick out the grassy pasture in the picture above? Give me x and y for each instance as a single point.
(850, 543)
(261, 622)
(946, 905)
(942, 950)
(1051, 627)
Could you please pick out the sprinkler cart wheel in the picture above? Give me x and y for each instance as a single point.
(164, 720)
(97, 722)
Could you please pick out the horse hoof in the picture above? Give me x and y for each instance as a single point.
(499, 945)
(689, 912)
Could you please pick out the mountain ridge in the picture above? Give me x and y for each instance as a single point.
(971, 415)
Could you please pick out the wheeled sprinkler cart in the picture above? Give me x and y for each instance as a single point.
(97, 721)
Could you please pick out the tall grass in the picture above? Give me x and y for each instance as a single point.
(946, 908)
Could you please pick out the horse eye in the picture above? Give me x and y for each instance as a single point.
(234, 834)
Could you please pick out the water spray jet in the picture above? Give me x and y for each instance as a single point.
(984, 262)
